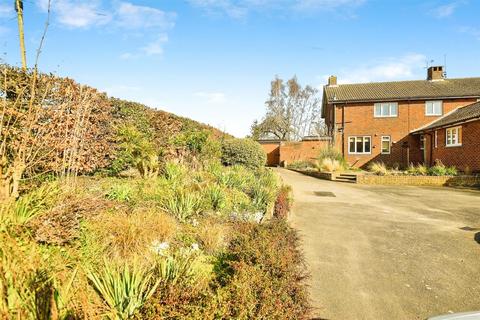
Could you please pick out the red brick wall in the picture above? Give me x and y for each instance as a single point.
(272, 149)
(359, 120)
(466, 155)
(299, 151)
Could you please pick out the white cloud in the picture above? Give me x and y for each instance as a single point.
(77, 14)
(446, 10)
(473, 31)
(131, 19)
(212, 97)
(155, 47)
(406, 67)
(327, 4)
(240, 8)
(131, 16)
(6, 10)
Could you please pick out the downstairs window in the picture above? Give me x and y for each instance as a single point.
(360, 145)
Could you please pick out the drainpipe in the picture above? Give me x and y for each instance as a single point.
(431, 149)
(343, 129)
(334, 129)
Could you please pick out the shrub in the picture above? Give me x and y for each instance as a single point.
(283, 202)
(136, 149)
(378, 168)
(123, 289)
(262, 277)
(439, 169)
(199, 144)
(243, 151)
(300, 165)
(451, 171)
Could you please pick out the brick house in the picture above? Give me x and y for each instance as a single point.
(374, 121)
(454, 138)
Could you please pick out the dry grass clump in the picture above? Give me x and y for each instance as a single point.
(418, 170)
(125, 235)
(378, 168)
(329, 165)
(212, 236)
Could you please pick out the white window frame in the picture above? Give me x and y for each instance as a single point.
(433, 108)
(355, 139)
(436, 139)
(390, 105)
(454, 134)
(386, 139)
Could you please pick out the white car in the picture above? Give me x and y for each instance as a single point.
(459, 316)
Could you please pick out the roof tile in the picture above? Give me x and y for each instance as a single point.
(402, 90)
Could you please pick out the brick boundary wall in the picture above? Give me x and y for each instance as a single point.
(317, 174)
(432, 181)
(466, 181)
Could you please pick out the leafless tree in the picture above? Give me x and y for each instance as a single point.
(292, 111)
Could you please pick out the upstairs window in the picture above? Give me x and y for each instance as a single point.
(386, 109)
(359, 145)
(453, 136)
(433, 108)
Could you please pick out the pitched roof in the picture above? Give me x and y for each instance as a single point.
(403, 90)
(458, 115)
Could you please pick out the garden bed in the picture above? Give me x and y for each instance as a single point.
(453, 181)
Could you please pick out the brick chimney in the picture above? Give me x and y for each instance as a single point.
(435, 73)
(332, 81)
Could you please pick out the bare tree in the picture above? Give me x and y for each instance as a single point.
(44, 122)
(292, 111)
(21, 34)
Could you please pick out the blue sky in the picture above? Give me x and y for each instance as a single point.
(213, 60)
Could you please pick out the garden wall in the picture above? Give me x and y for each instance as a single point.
(301, 151)
(284, 153)
(467, 181)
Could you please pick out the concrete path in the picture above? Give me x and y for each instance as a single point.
(378, 252)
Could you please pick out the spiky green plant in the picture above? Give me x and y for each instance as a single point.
(216, 197)
(174, 172)
(378, 168)
(31, 204)
(177, 267)
(123, 289)
(182, 203)
(120, 192)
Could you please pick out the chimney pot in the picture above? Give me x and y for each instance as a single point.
(435, 73)
(332, 80)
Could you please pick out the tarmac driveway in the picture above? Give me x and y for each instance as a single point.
(377, 252)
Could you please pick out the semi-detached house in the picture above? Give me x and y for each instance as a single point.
(392, 122)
